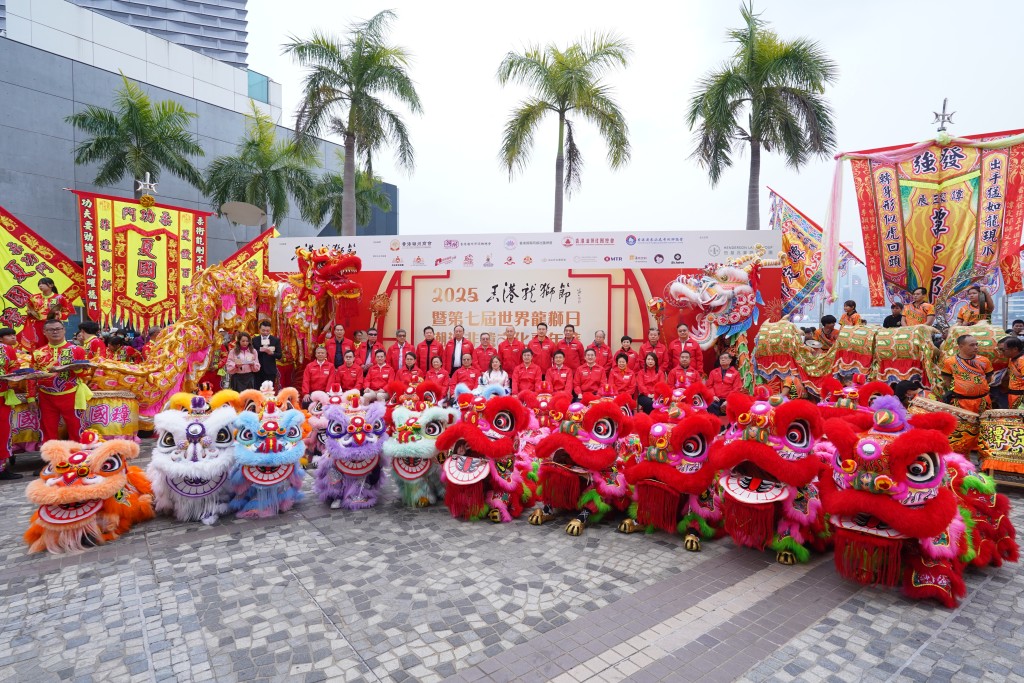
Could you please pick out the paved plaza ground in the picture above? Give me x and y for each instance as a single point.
(392, 594)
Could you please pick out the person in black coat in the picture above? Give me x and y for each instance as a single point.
(268, 348)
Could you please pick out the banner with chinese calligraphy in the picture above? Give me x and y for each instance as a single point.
(24, 258)
(138, 260)
(802, 276)
(255, 256)
(941, 214)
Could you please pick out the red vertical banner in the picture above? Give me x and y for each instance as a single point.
(1009, 263)
(869, 228)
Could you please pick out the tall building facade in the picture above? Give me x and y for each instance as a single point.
(60, 58)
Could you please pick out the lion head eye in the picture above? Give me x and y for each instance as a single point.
(694, 446)
(798, 435)
(503, 421)
(924, 468)
(223, 436)
(604, 429)
(111, 464)
(167, 440)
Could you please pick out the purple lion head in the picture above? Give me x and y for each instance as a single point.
(355, 436)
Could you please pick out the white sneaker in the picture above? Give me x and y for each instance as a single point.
(336, 505)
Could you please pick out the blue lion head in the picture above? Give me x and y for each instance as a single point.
(271, 439)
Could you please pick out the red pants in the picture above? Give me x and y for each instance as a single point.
(5, 433)
(52, 407)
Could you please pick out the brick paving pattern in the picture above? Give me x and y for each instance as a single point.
(393, 595)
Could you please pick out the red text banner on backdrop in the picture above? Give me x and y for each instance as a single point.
(138, 260)
(255, 256)
(24, 258)
(941, 214)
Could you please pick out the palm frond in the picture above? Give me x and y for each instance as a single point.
(573, 161)
(517, 142)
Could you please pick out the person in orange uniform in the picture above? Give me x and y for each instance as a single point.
(318, 375)
(681, 343)
(349, 375)
(683, 375)
(61, 395)
(918, 311)
(827, 334)
(8, 363)
(653, 345)
(633, 358)
(1012, 350)
(94, 347)
(396, 352)
(572, 348)
(622, 380)
(542, 347)
(427, 350)
(380, 373)
(483, 354)
(456, 349)
(468, 374)
(438, 374)
(976, 310)
(510, 350)
(410, 373)
(646, 381)
(967, 376)
(850, 316)
(589, 377)
(527, 375)
(602, 352)
(559, 376)
(47, 304)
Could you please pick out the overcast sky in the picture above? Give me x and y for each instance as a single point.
(897, 61)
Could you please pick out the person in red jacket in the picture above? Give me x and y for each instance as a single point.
(527, 375)
(397, 351)
(380, 373)
(349, 375)
(467, 374)
(622, 380)
(684, 375)
(542, 347)
(371, 348)
(427, 350)
(559, 376)
(94, 347)
(411, 374)
(438, 374)
(589, 377)
(457, 347)
(603, 352)
(646, 381)
(654, 344)
(684, 343)
(572, 347)
(483, 354)
(633, 358)
(510, 350)
(318, 375)
(336, 345)
(722, 381)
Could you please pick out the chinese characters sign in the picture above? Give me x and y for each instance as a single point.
(138, 260)
(254, 256)
(801, 246)
(934, 217)
(24, 258)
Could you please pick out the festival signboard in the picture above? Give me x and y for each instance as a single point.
(138, 260)
(255, 255)
(24, 258)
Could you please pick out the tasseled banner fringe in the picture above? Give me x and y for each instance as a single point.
(868, 559)
(749, 525)
(657, 505)
(465, 502)
(1002, 465)
(561, 487)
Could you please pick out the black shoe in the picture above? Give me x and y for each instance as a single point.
(9, 475)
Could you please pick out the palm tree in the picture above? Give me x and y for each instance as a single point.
(327, 199)
(264, 171)
(138, 137)
(565, 81)
(345, 82)
(779, 85)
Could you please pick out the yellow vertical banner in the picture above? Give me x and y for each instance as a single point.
(138, 260)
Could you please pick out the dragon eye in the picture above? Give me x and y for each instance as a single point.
(167, 440)
(111, 464)
(604, 429)
(245, 434)
(694, 446)
(223, 435)
(433, 429)
(799, 435)
(334, 429)
(503, 421)
(923, 468)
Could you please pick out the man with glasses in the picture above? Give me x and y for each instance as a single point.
(397, 351)
(63, 394)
